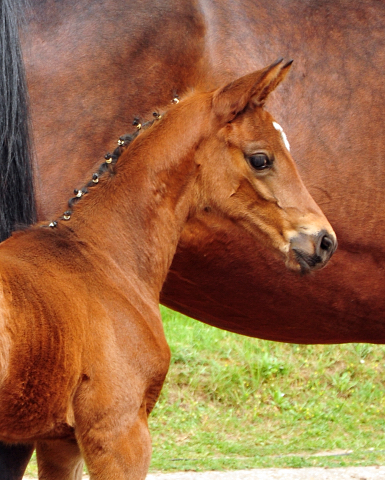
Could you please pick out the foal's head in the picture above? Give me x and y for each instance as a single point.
(248, 175)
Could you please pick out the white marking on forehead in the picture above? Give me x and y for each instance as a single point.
(278, 127)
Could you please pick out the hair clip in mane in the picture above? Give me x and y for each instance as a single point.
(137, 123)
(78, 193)
(53, 224)
(95, 178)
(157, 115)
(120, 142)
(108, 157)
(67, 215)
(175, 97)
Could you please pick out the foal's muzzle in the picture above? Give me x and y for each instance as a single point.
(313, 251)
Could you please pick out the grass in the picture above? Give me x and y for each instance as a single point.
(234, 402)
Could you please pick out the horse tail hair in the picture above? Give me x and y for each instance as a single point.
(17, 201)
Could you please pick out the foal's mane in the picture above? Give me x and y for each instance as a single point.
(108, 166)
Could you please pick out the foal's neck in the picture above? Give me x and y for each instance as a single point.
(138, 213)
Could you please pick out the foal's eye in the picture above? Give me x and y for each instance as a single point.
(260, 161)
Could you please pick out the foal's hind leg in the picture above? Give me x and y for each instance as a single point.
(59, 460)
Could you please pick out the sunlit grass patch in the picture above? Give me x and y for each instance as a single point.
(227, 395)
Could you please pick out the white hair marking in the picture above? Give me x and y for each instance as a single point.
(278, 127)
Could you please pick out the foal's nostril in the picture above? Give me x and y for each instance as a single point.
(326, 243)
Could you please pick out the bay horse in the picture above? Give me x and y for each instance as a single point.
(93, 65)
(83, 352)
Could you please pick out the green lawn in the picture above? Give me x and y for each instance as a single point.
(235, 402)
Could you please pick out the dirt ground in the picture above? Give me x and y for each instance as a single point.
(350, 473)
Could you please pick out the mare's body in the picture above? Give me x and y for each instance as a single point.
(83, 355)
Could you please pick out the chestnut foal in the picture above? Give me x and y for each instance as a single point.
(83, 354)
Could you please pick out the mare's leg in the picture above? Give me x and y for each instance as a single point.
(59, 460)
(14, 460)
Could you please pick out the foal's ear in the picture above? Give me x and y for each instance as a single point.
(254, 88)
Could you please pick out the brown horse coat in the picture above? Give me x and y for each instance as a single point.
(83, 353)
(93, 64)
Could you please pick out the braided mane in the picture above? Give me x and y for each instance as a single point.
(110, 160)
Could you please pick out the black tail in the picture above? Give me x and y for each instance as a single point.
(17, 204)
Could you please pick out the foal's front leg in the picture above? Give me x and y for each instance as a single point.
(115, 449)
(59, 460)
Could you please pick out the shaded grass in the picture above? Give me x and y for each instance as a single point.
(234, 402)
